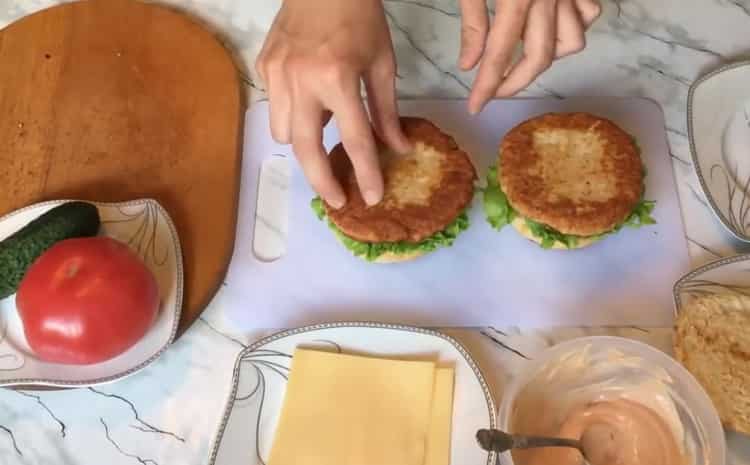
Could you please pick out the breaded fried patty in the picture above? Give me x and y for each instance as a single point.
(577, 173)
(424, 190)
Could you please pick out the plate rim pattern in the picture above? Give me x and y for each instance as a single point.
(10, 383)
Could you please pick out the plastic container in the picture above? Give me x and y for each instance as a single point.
(696, 411)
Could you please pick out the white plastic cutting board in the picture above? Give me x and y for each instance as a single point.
(487, 277)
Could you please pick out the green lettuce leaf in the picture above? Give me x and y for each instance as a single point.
(371, 251)
(549, 236)
(497, 209)
(500, 213)
(641, 215)
(317, 206)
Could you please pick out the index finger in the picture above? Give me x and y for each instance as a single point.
(358, 140)
(307, 143)
(507, 27)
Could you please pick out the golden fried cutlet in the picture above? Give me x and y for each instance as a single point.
(424, 190)
(575, 172)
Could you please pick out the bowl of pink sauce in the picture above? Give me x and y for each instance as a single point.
(629, 404)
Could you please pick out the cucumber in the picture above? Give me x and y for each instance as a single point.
(19, 250)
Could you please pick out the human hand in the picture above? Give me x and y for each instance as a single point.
(549, 29)
(312, 62)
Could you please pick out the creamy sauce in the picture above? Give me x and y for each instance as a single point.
(623, 414)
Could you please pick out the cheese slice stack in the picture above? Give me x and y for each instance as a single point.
(342, 409)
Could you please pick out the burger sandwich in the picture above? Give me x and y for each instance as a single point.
(426, 194)
(567, 180)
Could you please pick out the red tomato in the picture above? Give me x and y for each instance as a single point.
(86, 300)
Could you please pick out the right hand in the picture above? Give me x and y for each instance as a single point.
(548, 30)
(312, 62)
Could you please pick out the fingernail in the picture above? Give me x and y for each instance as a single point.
(336, 202)
(463, 61)
(474, 109)
(371, 197)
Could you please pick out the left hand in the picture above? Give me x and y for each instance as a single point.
(549, 29)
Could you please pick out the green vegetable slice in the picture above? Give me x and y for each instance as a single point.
(371, 251)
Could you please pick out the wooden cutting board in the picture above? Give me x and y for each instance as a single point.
(114, 100)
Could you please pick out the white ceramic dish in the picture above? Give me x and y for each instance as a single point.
(719, 130)
(246, 431)
(146, 227)
(726, 275)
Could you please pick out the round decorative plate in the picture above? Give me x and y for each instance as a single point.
(247, 428)
(719, 130)
(729, 275)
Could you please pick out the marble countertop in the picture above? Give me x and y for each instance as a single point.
(169, 412)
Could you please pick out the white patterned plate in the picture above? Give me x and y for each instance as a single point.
(726, 275)
(260, 374)
(146, 227)
(719, 130)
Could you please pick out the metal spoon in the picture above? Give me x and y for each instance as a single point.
(500, 441)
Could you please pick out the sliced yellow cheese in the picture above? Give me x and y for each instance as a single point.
(344, 409)
(439, 436)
